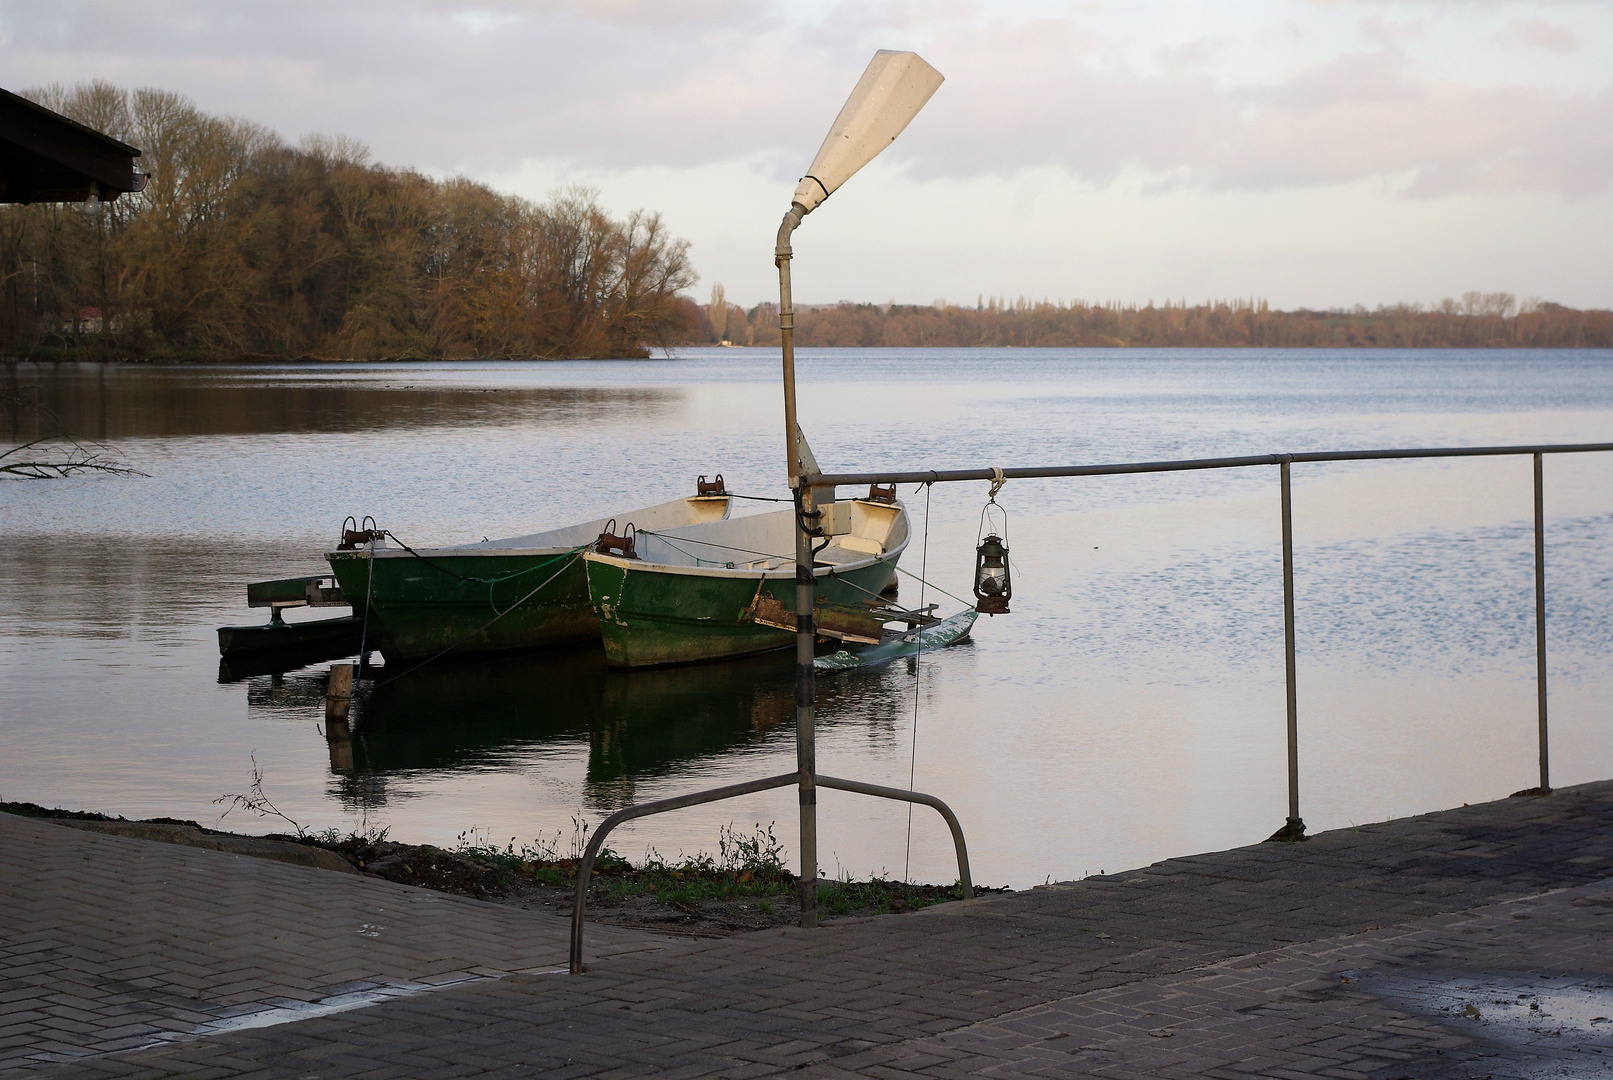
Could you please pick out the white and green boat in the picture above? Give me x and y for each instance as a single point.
(727, 588)
(499, 595)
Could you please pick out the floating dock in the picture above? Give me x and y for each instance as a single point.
(318, 639)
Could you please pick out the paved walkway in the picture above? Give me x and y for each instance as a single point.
(1467, 943)
(109, 943)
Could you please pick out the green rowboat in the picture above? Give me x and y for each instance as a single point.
(727, 588)
(499, 595)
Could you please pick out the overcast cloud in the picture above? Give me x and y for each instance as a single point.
(1476, 138)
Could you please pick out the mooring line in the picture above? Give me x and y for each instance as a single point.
(489, 582)
(575, 555)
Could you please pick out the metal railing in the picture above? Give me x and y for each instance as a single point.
(1294, 827)
(585, 868)
(807, 777)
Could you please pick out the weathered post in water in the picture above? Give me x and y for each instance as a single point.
(339, 700)
(890, 93)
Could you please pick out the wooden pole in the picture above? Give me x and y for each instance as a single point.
(338, 701)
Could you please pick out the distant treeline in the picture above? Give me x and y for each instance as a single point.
(1478, 320)
(243, 246)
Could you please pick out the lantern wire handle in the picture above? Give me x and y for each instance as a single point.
(986, 524)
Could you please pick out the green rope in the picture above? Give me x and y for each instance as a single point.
(707, 543)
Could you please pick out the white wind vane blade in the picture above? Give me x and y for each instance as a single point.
(888, 96)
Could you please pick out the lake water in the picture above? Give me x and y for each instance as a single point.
(1131, 708)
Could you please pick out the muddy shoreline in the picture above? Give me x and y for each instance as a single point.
(696, 898)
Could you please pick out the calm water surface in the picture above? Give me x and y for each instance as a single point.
(1130, 709)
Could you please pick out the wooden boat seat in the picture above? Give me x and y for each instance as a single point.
(837, 554)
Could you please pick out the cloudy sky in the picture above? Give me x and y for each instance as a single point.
(1312, 152)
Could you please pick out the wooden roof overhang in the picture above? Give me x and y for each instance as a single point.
(45, 157)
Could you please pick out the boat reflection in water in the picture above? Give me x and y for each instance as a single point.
(503, 712)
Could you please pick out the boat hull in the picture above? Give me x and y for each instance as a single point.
(421, 607)
(520, 592)
(651, 615)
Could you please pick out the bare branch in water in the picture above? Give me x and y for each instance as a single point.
(60, 454)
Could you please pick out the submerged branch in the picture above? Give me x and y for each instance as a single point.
(51, 457)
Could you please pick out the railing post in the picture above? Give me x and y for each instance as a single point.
(1540, 620)
(1294, 828)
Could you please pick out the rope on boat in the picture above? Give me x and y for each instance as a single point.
(707, 543)
(479, 580)
(909, 573)
(575, 554)
(832, 573)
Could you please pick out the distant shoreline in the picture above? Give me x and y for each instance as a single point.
(1477, 321)
(673, 354)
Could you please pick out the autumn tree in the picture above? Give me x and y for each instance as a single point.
(243, 246)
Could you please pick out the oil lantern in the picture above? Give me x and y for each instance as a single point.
(992, 586)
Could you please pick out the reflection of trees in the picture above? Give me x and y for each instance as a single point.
(242, 246)
(102, 402)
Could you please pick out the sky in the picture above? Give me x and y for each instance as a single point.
(1317, 153)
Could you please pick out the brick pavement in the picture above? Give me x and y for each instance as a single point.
(108, 943)
(1355, 954)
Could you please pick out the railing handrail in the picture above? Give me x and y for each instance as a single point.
(585, 867)
(938, 476)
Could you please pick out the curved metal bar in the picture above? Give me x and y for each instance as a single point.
(914, 797)
(585, 869)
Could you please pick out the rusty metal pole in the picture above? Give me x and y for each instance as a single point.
(1540, 619)
(806, 753)
(806, 761)
(1294, 829)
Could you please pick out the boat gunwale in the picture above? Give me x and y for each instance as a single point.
(782, 573)
(704, 571)
(448, 552)
(485, 548)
